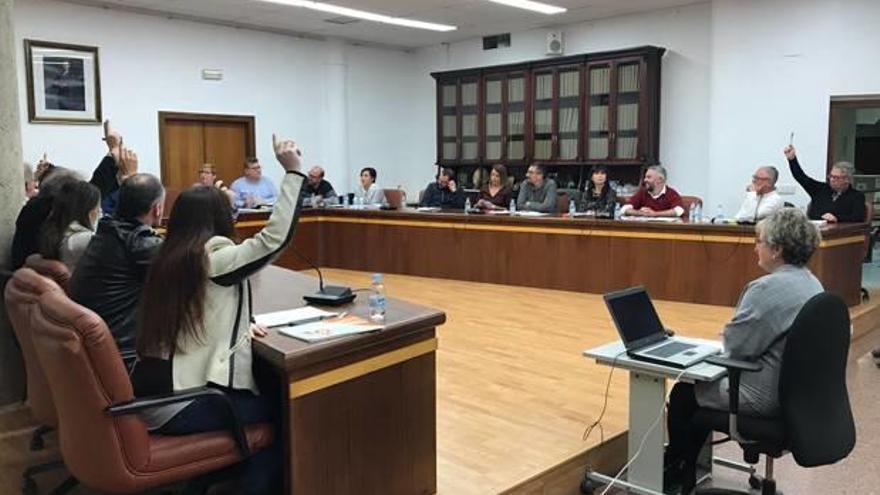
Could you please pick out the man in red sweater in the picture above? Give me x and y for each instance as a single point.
(656, 199)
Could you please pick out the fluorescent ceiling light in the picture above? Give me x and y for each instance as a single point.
(360, 14)
(534, 6)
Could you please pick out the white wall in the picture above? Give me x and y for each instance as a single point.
(292, 86)
(738, 77)
(775, 66)
(684, 106)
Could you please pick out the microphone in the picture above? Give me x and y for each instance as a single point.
(330, 295)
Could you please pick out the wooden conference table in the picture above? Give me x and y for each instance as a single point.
(696, 263)
(359, 412)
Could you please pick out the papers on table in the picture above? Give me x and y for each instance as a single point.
(819, 223)
(530, 214)
(651, 219)
(427, 208)
(498, 212)
(298, 316)
(263, 209)
(329, 329)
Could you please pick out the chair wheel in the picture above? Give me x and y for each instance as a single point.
(755, 482)
(589, 486)
(28, 486)
(37, 443)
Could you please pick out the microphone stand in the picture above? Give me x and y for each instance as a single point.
(331, 295)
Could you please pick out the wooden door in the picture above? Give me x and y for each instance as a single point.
(189, 140)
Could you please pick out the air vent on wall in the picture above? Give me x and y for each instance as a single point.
(496, 41)
(342, 20)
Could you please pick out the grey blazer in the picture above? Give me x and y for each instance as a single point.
(767, 307)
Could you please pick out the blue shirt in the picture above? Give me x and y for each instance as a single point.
(264, 190)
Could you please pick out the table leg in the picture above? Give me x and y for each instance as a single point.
(647, 396)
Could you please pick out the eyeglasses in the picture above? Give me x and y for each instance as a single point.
(837, 177)
(757, 177)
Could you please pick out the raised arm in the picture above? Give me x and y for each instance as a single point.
(231, 263)
(808, 183)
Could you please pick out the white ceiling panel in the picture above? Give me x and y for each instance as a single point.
(474, 18)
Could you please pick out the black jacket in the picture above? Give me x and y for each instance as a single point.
(110, 276)
(848, 207)
(444, 198)
(26, 240)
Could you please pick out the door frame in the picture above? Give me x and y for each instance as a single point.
(165, 116)
(840, 103)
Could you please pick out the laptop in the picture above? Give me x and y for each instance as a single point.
(395, 198)
(644, 336)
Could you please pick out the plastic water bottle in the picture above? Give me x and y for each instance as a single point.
(692, 214)
(512, 207)
(698, 213)
(719, 215)
(467, 206)
(572, 209)
(617, 211)
(377, 300)
(345, 200)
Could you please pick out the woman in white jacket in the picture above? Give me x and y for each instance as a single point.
(195, 325)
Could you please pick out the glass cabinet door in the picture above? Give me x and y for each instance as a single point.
(469, 120)
(627, 111)
(449, 121)
(568, 114)
(516, 117)
(493, 108)
(598, 105)
(543, 123)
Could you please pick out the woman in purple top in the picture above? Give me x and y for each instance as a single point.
(496, 194)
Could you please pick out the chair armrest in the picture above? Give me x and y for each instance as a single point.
(733, 364)
(141, 404)
(735, 368)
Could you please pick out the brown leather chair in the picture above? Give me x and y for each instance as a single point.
(22, 292)
(104, 443)
(562, 200)
(53, 269)
(689, 202)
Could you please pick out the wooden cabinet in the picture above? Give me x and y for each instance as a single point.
(569, 112)
(458, 120)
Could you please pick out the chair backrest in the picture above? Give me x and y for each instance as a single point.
(573, 193)
(22, 293)
(53, 269)
(86, 375)
(562, 200)
(689, 202)
(812, 383)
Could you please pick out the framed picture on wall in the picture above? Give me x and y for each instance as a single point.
(63, 83)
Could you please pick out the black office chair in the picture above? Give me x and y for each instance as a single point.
(816, 424)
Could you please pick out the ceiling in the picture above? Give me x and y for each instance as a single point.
(474, 18)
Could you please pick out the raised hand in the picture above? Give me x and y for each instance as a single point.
(452, 186)
(128, 161)
(286, 152)
(790, 152)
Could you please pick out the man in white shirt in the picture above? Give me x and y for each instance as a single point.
(761, 197)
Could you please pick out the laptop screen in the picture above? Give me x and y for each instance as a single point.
(635, 317)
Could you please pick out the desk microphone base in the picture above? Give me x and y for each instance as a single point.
(331, 296)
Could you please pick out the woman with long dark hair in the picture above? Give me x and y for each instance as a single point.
(496, 194)
(598, 196)
(195, 315)
(71, 223)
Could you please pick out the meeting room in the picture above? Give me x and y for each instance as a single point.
(454, 247)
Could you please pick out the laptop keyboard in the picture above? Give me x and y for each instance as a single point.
(668, 349)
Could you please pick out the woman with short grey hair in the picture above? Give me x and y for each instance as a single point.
(784, 243)
(791, 237)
